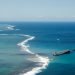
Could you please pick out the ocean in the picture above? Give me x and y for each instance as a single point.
(26, 48)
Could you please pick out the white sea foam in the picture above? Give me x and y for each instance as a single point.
(44, 61)
(11, 27)
(40, 59)
(23, 46)
(4, 27)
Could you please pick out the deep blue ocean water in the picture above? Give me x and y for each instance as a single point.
(49, 37)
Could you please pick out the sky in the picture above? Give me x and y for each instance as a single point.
(37, 10)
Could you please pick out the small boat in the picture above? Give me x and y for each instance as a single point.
(61, 52)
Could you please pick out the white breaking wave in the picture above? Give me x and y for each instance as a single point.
(23, 46)
(11, 27)
(4, 27)
(44, 61)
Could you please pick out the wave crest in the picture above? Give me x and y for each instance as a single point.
(40, 59)
(4, 27)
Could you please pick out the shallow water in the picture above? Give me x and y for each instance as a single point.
(49, 36)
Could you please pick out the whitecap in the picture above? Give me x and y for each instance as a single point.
(44, 61)
(4, 27)
(37, 58)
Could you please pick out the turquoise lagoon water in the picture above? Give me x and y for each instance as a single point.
(26, 48)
